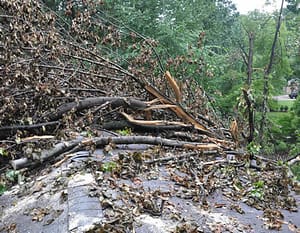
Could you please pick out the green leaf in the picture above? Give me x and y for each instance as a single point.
(124, 132)
(3, 152)
(12, 175)
(109, 166)
(257, 193)
(259, 184)
(2, 188)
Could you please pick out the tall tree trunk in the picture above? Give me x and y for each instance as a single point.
(250, 58)
(247, 95)
(250, 109)
(266, 77)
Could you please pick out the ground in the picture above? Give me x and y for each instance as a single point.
(156, 194)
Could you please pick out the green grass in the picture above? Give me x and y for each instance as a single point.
(288, 103)
(273, 116)
(276, 115)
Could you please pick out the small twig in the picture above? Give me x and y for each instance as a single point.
(36, 138)
(79, 71)
(183, 156)
(8, 16)
(88, 90)
(4, 168)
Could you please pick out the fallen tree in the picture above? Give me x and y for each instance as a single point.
(61, 83)
(83, 143)
(114, 102)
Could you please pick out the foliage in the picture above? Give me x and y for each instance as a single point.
(293, 34)
(3, 152)
(177, 24)
(258, 189)
(296, 171)
(253, 148)
(194, 45)
(125, 132)
(2, 188)
(285, 131)
(108, 166)
(12, 175)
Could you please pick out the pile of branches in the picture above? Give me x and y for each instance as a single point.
(59, 74)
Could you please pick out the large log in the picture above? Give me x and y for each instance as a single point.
(153, 141)
(96, 101)
(116, 125)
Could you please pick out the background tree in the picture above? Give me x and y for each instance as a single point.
(203, 43)
(267, 72)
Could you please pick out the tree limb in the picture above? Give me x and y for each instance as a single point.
(80, 143)
(7, 131)
(96, 101)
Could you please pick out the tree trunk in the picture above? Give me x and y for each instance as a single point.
(266, 78)
(250, 58)
(247, 94)
(96, 101)
(250, 109)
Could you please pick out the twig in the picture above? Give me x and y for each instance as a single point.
(183, 156)
(11, 130)
(79, 71)
(88, 90)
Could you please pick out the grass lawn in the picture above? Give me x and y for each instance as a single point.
(275, 116)
(288, 103)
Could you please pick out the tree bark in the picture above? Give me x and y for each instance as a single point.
(250, 58)
(63, 147)
(8, 131)
(266, 78)
(96, 101)
(154, 141)
(116, 125)
(178, 110)
(250, 110)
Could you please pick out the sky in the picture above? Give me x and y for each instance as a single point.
(244, 6)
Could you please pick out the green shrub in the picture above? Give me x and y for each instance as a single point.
(296, 171)
(281, 147)
(296, 107)
(273, 105)
(281, 108)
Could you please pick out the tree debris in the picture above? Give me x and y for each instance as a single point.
(61, 93)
